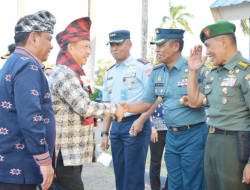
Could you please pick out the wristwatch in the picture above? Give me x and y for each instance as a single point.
(104, 132)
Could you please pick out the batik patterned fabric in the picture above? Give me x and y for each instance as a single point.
(76, 31)
(71, 103)
(27, 124)
(157, 119)
(41, 21)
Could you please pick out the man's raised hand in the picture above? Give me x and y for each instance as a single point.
(194, 61)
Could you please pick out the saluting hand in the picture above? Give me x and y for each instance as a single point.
(194, 61)
(246, 174)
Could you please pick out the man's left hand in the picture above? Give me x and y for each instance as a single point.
(185, 98)
(246, 174)
(136, 127)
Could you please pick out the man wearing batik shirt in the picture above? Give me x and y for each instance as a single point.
(27, 125)
(74, 112)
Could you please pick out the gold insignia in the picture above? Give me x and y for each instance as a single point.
(130, 87)
(205, 101)
(184, 77)
(115, 41)
(212, 79)
(160, 99)
(231, 72)
(231, 76)
(109, 90)
(159, 79)
(158, 41)
(224, 90)
(174, 129)
(157, 31)
(186, 70)
(237, 71)
(243, 64)
(211, 130)
(132, 81)
(112, 35)
(181, 101)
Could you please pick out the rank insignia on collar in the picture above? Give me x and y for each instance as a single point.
(243, 65)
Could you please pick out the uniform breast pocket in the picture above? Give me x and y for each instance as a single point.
(159, 91)
(227, 98)
(182, 90)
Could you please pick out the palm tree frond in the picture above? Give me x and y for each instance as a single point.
(184, 23)
(165, 18)
(162, 24)
(187, 15)
(245, 28)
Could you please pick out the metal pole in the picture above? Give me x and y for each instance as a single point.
(249, 37)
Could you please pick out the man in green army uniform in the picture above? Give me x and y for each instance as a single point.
(226, 91)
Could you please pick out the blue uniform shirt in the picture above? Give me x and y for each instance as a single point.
(171, 85)
(157, 119)
(27, 125)
(126, 82)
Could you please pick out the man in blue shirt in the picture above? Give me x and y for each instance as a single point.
(125, 81)
(27, 124)
(186, 137)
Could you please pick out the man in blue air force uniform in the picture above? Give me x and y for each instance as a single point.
(186, 137)
(125, 81)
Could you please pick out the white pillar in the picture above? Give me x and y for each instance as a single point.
(21, 8)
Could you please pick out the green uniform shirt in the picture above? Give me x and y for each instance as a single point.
(229, 110)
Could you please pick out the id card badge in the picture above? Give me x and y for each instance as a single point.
(123, 93)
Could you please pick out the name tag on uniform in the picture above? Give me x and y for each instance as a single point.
(123, 93)
(159, 84)
(184, 82)
(210, 82)
(110, 78)
(228, 82)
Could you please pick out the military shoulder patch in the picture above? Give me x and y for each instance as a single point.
(158, 65)
(111, 67)
(214, 67)
(145, 62)
(243, 65)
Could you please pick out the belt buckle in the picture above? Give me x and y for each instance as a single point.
(211, 130)
(188, 127)
(174, 129)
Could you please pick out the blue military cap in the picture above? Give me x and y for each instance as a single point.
(118, 36)
(163, 35)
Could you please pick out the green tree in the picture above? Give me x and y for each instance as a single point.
(102, 69)
(151, 52)
(245, 28)
(176, 16)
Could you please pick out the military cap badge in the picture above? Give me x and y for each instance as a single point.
(207, 32)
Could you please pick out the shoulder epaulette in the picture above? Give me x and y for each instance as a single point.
(213, 68)
(158, 65)
(202, 70)
(110, 67)
(143, 61)
(243, 65)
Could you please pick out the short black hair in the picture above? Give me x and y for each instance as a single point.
(179, 41)
(233, 39)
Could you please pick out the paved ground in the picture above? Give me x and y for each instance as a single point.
(97, 177)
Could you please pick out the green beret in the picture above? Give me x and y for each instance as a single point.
(217, 29)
